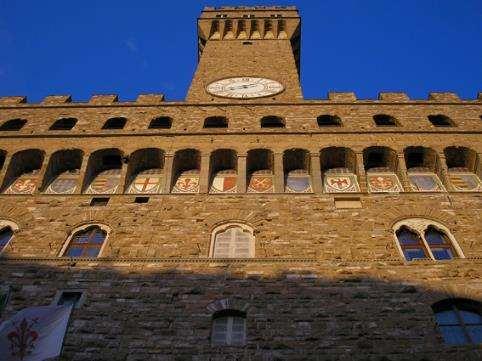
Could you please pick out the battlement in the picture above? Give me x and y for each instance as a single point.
(158, 98)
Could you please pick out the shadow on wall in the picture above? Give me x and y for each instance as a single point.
(164, 311)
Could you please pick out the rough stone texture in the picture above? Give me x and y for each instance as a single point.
(327, 281)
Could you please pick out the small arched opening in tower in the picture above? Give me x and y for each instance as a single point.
(63, 172)
(272, 121)
(63, 124)
(381, 166)
(103, 172)
(296, 169)
(385, 120)
(22, 176)
(13, 125)
(464, 171)
(440, 120)
(145, 172)
(223, 171)
(423, 169)
(338, 168)
(215, 122)
(186, 171)
(260, 171)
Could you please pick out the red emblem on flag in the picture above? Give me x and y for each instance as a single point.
(22, 338)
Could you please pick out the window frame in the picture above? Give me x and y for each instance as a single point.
(229, 315)
(226, 226)
(4, 223)
(59, 294)
(457, 305)
(420, 226)
(81, 228)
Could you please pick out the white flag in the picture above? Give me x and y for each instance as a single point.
(34, 333)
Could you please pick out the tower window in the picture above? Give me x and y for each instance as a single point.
(6, 235)
(160, 123)
(13, 125)
(86, 243)
(233, 241)
(115, 123)
(215, 122)
(228, 328)
(328, 120)
(99, 201)
(440, 120)
(459, 321)
(272, 122)
(423, 239)
(63, 124)
(384, 120)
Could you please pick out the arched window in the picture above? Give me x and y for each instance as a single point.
(215, 122)
(232, 241)
(115, 123)
(440, 120)
(86, 242)
(63, 124)
(459, 321)
(13, 125)
(6, 234)
(328, 120)
(419, 238)
(160, 123)
(272, 121)
(228, 328)
(384, 120)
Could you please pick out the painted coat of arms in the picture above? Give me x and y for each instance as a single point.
(147, 182)
(383, 182)
(341, 183)
(105, 182)
(224, 182)
(22, 185)
(261, 182)
(187, 182)
(465, 182)
(298, 181)
(425, 182)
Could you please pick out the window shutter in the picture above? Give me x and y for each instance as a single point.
(220, 331)
(238, 331)
(241, 243)
(222, 244)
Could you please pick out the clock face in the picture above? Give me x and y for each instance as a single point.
(244, 87)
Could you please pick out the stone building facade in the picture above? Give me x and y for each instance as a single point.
(246, 223)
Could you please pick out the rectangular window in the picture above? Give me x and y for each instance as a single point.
(99, 201)
(69, 297)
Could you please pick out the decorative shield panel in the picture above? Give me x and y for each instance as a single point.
(224, 182)
(425, 182)
(468, 182)
(383, 182)
(261, 182)
(65, 183)
(22, 185)
(106, 182)
(341, 183)
(187, 182)
(147, 182)
(298, 181)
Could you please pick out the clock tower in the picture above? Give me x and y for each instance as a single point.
(247, 54)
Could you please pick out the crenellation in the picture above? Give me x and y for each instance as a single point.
(393, 97)
(103, 99)
(57, 99)
(11, 100)
(443, 97)
(342, 96)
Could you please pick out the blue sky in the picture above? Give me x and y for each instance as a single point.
(131, 47)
